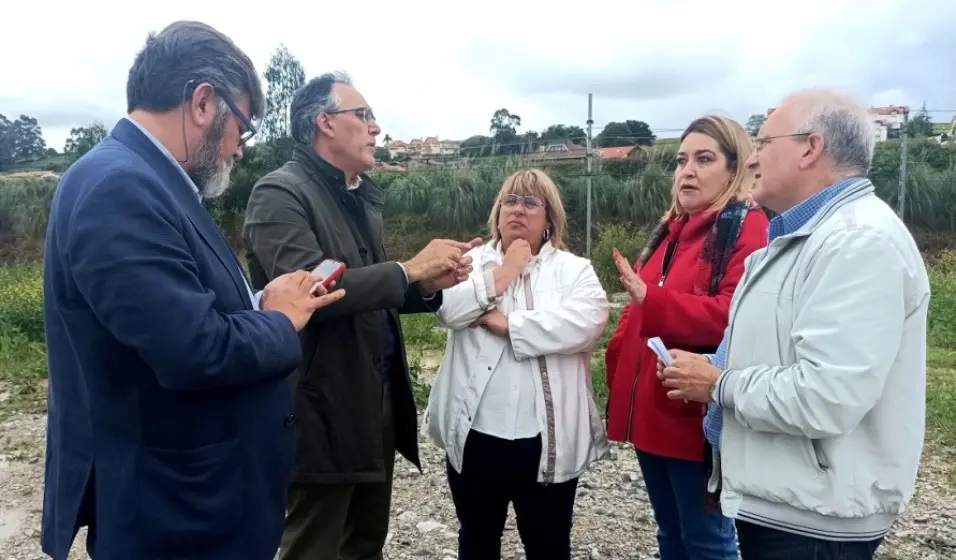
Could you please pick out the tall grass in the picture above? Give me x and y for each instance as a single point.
(23, 357)
(24, 208)
(455, 201)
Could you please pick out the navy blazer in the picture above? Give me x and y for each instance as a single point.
(170, 428)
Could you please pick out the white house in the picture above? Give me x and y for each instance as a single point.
(884, 119)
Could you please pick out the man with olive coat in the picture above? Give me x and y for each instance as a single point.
(353, 395)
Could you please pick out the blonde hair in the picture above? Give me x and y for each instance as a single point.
(736, 145)
(533, 182)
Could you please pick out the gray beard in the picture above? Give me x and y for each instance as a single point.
(211, 173)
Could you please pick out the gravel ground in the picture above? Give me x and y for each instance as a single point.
(613, 519)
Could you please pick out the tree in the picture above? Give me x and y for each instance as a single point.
(382, 154)
(503, 122)
(755, 122)
(504, 132)
(29, 139)
(20, 140)
(284, 75)
(557, 132)
(627, 133)
(6, 143)
(83, 139)
(921, 124)
(476, 146)
(387, 139)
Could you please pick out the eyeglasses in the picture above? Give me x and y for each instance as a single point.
(363, 113)
(246, 127)
(759, 143)
(529, 202)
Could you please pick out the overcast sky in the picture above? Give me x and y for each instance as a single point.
(429, 69)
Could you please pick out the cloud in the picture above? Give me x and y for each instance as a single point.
(430, 69)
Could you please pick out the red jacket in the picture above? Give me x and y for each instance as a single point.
(638, 408)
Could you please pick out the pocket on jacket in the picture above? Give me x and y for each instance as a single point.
(188, 498)
(817, 457)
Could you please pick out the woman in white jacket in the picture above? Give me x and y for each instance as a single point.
(512, 405)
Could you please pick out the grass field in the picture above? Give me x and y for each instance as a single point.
(23, 352)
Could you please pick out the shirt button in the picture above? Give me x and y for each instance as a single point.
(290, 419)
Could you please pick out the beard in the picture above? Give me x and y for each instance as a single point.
(211, 173)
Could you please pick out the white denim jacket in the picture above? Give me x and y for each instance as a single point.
(558, 332)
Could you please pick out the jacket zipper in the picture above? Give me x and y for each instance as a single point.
(665, 268)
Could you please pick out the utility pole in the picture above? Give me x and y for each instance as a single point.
(904, 133)
(588, 177)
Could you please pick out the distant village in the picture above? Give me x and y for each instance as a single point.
(432, 150)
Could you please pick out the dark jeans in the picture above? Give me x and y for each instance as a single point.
(496, 472)
(686, 528)
(342, 521)
(763, 543)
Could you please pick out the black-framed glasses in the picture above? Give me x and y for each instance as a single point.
(529, 202)
(363, 113)
(247, 129)
(762, 141)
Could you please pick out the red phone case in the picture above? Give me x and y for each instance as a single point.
(333, 276)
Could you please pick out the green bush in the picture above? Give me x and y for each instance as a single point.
(629, 241)
(942, 303)
(25, 207)
(21, 301)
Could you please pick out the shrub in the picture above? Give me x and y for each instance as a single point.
(21, 301)
(942, 303)
(628, 240)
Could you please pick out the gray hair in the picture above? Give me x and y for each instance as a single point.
(845, 125)
(311, 99)
(189, 52)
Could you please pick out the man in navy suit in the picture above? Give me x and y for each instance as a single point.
(170, 427)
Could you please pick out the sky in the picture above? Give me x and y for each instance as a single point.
(430, 69)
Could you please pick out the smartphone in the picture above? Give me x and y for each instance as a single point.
(329, 270)
(657, 345)
(662, 352)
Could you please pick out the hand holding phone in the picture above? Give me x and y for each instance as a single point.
(657, 345)
(662, 352)
(329, 270)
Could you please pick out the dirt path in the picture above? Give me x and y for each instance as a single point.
(613, 519)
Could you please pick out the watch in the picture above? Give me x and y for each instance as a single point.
(713, 392)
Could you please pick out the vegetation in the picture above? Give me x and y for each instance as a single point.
(455, 200)
(23, 358)
(628, 197)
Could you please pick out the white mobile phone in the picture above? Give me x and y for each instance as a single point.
(662, 352)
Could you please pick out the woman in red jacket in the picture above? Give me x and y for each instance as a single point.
(680, 291)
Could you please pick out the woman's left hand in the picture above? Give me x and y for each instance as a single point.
(495, 321)
(630, 279)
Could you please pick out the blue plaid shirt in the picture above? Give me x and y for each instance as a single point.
(783, 224)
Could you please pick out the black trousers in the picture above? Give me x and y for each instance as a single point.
(763, 543)
(496, 472)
